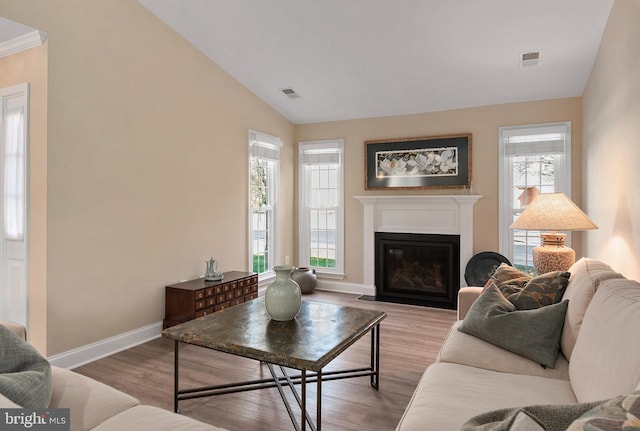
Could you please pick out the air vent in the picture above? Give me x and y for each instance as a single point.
(290, 93)
(530, 59)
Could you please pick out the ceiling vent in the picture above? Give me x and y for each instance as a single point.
(290, 93)
(530, 59)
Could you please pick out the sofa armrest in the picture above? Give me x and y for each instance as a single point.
(17, 328)
(466, 297)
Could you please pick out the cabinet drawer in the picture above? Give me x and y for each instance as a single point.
(203, 312)
(199, 294)
(222, 306)
(200, 304)
(208, 291)
(250, 296)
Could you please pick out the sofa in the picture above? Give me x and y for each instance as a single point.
(598, 360)
(95, 406)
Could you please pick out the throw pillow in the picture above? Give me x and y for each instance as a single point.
(618, 414)
(25, 376)
(506, 272)
(534, 334)
(540, 291)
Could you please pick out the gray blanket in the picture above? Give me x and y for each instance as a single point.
(25, 376)
(555, 417)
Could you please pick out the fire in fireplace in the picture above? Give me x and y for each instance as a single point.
(420, 269)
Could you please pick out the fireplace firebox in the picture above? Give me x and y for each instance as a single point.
(419, 269)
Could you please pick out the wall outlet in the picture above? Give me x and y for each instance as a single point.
(286, 260)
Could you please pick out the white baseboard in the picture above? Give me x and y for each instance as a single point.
(100, 349)
(103, 348)
(342, 287)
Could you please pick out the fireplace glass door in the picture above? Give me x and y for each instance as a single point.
(421, 269)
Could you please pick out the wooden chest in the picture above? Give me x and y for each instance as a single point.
(191, 299)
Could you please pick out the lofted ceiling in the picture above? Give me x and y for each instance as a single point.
(349, 59)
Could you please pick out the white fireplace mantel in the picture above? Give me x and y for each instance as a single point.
(434, 214)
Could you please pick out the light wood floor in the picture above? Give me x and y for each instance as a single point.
(410, 339)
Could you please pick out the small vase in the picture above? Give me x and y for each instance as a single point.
(306, 279)
(283, 297)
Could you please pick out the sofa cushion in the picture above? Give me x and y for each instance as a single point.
(6, 403)
(25, 376)
(465, 349)
(90, 402)
(620, 413)
(450, 394)
(604, 363)
(148, 418)
(586, 276)
(534, 334)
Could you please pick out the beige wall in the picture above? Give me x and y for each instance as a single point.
(482, 122)
(31, 66)
(612, 143)
(147, 166)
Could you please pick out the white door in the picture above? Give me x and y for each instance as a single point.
(13, 205)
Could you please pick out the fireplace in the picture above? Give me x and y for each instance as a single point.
(420, 269)
(415, 214)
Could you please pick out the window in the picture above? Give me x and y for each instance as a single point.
(533, 159)
(321, 244)
(14, 166)
(264, 170)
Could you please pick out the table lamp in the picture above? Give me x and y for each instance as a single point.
(553, 212)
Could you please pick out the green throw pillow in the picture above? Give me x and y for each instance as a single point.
(534, 334)
(25, 376)
(618, 414)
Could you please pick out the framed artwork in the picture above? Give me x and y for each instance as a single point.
(418, 163)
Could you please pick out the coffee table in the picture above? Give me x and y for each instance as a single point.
(308, 343)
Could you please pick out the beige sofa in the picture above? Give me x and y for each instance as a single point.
(98, 407)
(599, 358)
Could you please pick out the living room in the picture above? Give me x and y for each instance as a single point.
(138, 155)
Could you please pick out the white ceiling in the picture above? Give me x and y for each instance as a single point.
(368, 58)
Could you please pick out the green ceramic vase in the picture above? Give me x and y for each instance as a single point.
(283, 297)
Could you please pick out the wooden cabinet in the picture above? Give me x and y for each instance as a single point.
(196, 298)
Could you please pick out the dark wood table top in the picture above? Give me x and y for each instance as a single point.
(314, 338)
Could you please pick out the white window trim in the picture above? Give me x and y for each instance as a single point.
(15, 306)
(505, 165)
(303, 239)
(258, 138)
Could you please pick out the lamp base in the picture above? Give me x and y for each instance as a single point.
(552, 255)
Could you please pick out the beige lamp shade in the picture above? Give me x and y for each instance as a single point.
(552, 212)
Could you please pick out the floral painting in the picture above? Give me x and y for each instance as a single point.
(429, 162)
(424, 163)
